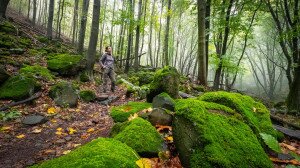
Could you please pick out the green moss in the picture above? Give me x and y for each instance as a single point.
(141, 78)
(18, 87)
(7, 41)
(102, 152)
(206, 139)
(87, 95)
(65, 64)
(141, 136)
(7, 27)
(255, 114)
(37, 52)
(84, 77)
(37, 71)
(121, 113)
(43, 39)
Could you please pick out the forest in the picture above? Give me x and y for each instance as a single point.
(150, 83)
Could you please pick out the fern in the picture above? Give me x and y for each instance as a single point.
(271, 142)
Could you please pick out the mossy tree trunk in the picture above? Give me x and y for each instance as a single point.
(293, 100)
(137, 37)
(75, 22)
(3, 7)
(85, 7)
(93, 41)
(166, 42)
(50, 19)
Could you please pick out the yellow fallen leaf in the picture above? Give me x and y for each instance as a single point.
(53, 121)
(169, 138)
(59, 129)
(72, 131)
(77, 110)
(135, 115)
(254, 109)
(51, 110)
(20, 136)
(36, 131)
(144, 163)
(75, 145)
(90, 130)
(5, 129)
(66, 152)
(58, 133)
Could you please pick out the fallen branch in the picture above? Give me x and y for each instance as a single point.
(131, 57)
(35, 96)
(289, 132)
(283, 122)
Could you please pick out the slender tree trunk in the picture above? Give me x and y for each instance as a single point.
(50, 19)
(143, 32)
(137, 37)
(93, 41)
(207, 27)
(85, 7)
(28, 9)
(58, 16)
(130, 36)
(150, 34)
(159, 34)
(3, 7)
(166, 42)
(75, 21)
(20, 7)
(103, 25)
(112, 25)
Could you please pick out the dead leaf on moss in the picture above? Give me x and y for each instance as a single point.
(144, 163)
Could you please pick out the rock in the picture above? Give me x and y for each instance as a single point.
(214, 139)
(37, 71)
(101, 152)
(66, 65)
(87, 95)
(60, 141)
(185, 95)
(163, 100)
(64, 94)
(283, 156)
(68, 138)
(160, 116)
(34, 120)
(18, 51)
(141, 136)
(165, 80)
(3, 75)
(18, 87)
(109, 100)
(121, 113)
(102, 97)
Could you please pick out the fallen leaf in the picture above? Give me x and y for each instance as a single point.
(49, 151)
(162, 127)
(53, 121)
(75, 145)
(72, 131)
(131, 117)
(66, 152)
(59, 129)
(36, 131)
(90, 130)
(144, 163)
(254, 109)
(51, 110)
(294, 161)
(58, 133)
(169, 138)
(84, 136)
(5, 129)
(20, 136)
(288, 146)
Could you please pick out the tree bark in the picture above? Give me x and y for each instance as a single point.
(75, 21)
(50, 19)
(166, 42)
(150, 34)
(130, 36)
(3, 7)
(28, 9)
(137, 37)
(34, 12)
(85, 7)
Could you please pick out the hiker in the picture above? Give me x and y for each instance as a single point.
(107, 64)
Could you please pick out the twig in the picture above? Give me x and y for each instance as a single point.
(35, 96)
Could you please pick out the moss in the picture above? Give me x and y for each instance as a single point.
(141, 136)
(87, 95)
(121, 113)
(37, 71)
(255, 114)
(65, 64)
(7, 27)
(37, 52)
(102, 152)
(141, 78)
(7, 41)
(206, 139)
(43, 39)
(84, 77)
(18, 87)
(24, 42)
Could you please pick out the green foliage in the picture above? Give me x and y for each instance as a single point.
(271, 142)
(101, 152)
(84, 77)
(121, 113)
(37, 71)
(65, 64)
(43, 39)
(10, 115)
(87, 95)
(206, 139)
(18, 87)
(141, 136)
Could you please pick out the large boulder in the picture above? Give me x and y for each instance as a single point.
(18, 87)
(102, 152)
(159, 116)
(65, 64)
(38, 72)
(141, 136)
(64, 94)
(121, 113)
(3, 75)
(253, 113)
(215, 138)
(163, 100)
(165, 80)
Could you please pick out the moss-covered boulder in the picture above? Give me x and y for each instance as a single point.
(253, 113)
(38, 72)
(165, 80)
(163, 100)
(64, 94)
(121, 113)
(66, 64)
(18, 87)
(3, 75)
(141, 136)
(214, 139)
(87, 95)
(102, 153)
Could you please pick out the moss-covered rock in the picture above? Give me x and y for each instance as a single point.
(121, 113)
(102, 153)
(141, 136)
(18, 87)
(83, 77)
(165, 80)
(66, 64)
(163, 100)
(3, 75)
(9, 41)
(87, 95)
(141, 78)
(38, 72)
(7, 27)
(255, 114)
(64, 94)
(206, 139)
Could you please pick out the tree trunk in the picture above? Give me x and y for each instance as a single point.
(293, 99)
(150, 35)
(159, 34)
(112, 25)
(166, 42)
(103, 24)
(28, 9)
(201, 43)
(61, 17)
(207, 27)
(3, 7)
(50, 19)
(93, 40)
(130, 36)
(85, 7)
(137, 37)
(75, 21)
